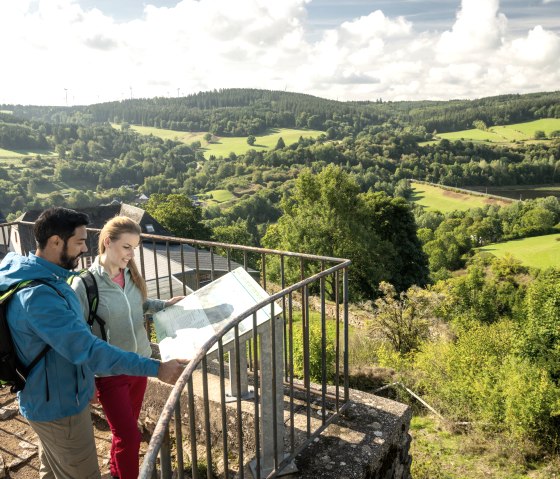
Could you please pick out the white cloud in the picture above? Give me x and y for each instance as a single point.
(479, 28)
(51, 45)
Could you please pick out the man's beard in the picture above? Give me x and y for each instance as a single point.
(67, 261)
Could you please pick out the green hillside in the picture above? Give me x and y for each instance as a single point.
(444, 200)
(224, 145)
(506, 133)
(537, 252)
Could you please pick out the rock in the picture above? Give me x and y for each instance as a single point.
(8, 412)
(25, 455)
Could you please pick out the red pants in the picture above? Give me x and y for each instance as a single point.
(121, 398)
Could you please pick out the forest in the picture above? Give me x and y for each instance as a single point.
(477, 336)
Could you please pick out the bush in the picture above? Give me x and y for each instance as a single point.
(315, 349)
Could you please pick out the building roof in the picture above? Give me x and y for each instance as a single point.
(98, 216)
(205, 257)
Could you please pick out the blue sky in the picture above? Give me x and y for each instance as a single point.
(86, 51)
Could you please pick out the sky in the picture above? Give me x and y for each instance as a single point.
(78, 52)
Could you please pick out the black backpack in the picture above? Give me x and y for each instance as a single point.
(93, 300)
(12, 372)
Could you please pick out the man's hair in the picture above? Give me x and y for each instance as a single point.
(57, 221)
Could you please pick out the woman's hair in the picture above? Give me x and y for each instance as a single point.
(113, 229)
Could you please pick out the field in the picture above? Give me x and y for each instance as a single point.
(18, 154)
(218, 197)
(536, 252)
(521, 192)
(183, 136)
(505, 134)
(435, 198)
(223, 146)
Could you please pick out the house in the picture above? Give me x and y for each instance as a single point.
(168, 271)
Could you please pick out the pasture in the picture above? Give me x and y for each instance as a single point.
(536, 252)
(19, 154)
(435, 198)
(218, 197)
(520, 192)
(505, 133)
(224, 145)
(175, 135)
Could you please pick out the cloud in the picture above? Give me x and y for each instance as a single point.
(197, 45)
(479, 28)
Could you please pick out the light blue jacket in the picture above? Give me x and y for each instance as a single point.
(121, 309)
(61, 384)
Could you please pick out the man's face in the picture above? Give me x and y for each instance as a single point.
(73, 248)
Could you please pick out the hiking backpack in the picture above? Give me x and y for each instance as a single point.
(12, 372)
(92, 293)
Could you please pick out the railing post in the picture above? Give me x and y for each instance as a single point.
(232, 391)
(272, 399)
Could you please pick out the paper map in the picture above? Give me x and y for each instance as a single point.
(184, 327)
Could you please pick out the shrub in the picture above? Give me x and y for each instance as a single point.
(315, 350)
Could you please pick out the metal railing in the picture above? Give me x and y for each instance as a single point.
(297, 365)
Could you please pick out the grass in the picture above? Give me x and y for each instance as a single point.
(439, 199)
(223, 146)
(18, 154)
(505, 134)
(537, 252)
(182, 136)
(219, 196)
(438, 453)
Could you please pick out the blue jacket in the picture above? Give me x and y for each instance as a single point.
(61, 384)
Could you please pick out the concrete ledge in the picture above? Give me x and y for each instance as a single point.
(368, 440)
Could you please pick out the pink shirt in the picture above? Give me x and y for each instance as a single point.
(119, 279)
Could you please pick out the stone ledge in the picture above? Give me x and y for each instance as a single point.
(369, 440)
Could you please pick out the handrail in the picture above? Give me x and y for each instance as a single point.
(272, 376)
(165, 417)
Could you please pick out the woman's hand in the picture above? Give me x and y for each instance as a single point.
(173, 300)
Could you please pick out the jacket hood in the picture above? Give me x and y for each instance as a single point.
(15, 268)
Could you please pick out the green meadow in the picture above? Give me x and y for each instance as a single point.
(175, 135)
(537, 252)
(506, 133)
(216, 197)
(440, 199)
(18, 154)
(224, 145)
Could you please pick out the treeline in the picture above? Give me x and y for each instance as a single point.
(241, 112)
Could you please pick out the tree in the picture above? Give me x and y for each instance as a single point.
(327, 215)
(178, 214)
(480, 125)
(280, 144)
(540, 135)
(208, 137)
(251, 140)
(540, 335)
(404, 319)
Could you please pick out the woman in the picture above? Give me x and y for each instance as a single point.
(122, 303)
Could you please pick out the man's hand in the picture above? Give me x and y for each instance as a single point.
(169, 371)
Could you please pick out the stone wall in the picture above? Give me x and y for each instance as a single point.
(368, 440)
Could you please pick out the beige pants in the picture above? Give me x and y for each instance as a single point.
(67, 447)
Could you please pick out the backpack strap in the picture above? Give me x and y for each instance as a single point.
(93, 300)
(21, 370)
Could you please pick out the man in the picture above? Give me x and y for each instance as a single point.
(58, 389)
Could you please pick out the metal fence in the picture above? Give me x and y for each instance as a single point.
(277, 386)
